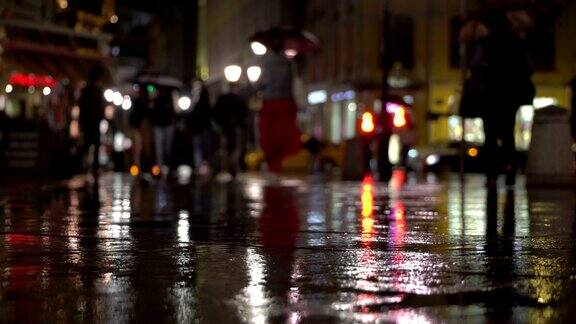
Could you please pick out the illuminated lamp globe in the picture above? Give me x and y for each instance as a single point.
(254, 73)
(184, 103)
(233, 73)
(258, 48)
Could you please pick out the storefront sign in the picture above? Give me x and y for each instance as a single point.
(31, 80)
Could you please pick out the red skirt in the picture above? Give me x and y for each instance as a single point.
(279, 136)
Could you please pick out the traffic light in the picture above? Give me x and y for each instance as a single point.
(367, 123)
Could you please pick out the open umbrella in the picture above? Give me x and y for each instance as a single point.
(297, 40)
(472, 31)
(519, 20)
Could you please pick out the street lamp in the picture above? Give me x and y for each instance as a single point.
(233, 73)
(117, 98)
(126, 103)
(254, 73)
(109, 95)
(258, 48)
(184, 103)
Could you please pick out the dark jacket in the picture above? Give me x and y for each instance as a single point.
(91, 105)
(230, 112)
(139, 113)
(162, 115)
(502, 63)
(198, 119)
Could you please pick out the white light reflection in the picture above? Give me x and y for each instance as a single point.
(116, 209)
(183, 226)
(253, 299)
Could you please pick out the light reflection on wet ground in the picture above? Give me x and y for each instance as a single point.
(307, 250)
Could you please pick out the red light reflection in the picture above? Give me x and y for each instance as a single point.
(367, 200)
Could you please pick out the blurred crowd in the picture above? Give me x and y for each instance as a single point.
(208, 138)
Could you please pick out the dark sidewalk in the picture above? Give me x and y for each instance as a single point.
(304, 250)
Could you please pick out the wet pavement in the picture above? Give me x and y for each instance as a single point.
(304, 250)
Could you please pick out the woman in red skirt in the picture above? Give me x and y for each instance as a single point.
(279, 136)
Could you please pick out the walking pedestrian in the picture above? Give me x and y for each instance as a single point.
(91, 105)
(279, 136)
(162, 120)
(199, 125)
(502, 70)
(137, 119)
(230, 113)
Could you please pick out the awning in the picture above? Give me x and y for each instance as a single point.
(61, 54)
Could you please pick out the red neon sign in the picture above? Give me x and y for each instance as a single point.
(32, 80)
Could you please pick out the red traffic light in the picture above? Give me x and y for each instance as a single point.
(399, 119)
(367, 122)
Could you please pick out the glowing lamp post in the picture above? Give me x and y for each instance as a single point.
(232, 73)
(254, 73)
(258, 48)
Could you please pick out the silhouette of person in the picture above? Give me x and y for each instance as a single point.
(91, 105)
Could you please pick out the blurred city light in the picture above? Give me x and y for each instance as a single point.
(541, 102)
(317, 97)
(394, 149)
(184, 173)
(399, 117)
(413, 153)
(367, 122)
(113, 19)
(343, 95)
(408, 99)
(156, 170)
(104, 126)
(432, 159)
(9, 88)
(527, 113)
(31, 89)
(127, 103)
(134, 170)
(118, 143)
(254, 73)
(290, 53)
(109, 112)
(74, 129)
(75, 112)
(367, 211)
(117, 98)
(472, 152)
(184, 103)
(121, 142)
(46, 91)
(63, 4)
(352, 106)
(391, 107)
(150, 88)
(258, 48)
(233, 73)
(109, 95)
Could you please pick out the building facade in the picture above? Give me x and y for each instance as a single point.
(346, 75)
